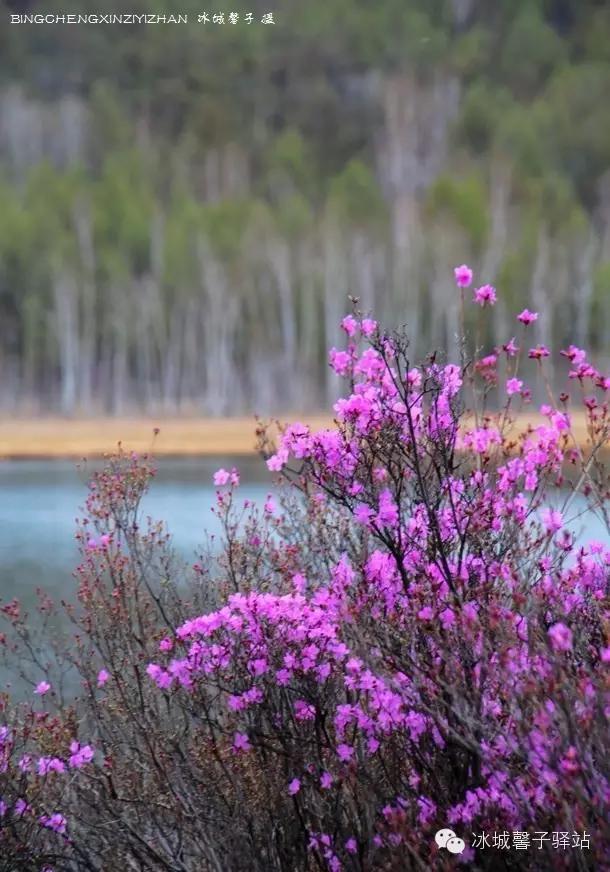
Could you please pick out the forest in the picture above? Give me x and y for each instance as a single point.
(185, 210)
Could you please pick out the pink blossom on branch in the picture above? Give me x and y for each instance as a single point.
(526, 317)
(514, 386)
(561, 637)
(485, 295)
(420, 623)
(294, 787)
(463, 276)
(241, 742)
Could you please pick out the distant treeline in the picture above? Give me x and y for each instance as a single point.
(184, 211)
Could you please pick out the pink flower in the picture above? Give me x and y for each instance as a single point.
(350, 325)
(294, 787)
(351, 846)
(270, 505)
(510, 348)
(278, 460)
(561, 637)
(538, 353)
(514, 386)
(326, 780)
(487, 362)
(55, 822)
(340, 361)
(42, 688)
(345, 752)
(50, 764)
(363, 514)
(166, 644)
(221, 476)
(463, 276)
(388, 510)
(241, 742)
(426, 614)
(94, 544)
(552, 520)
(485, 294)
(575, 355)
(368, 326)
(80, 755)
(605, 655)
(526, 317)
(447, 618)
(102, 677)
(258, 666)
(304, 711)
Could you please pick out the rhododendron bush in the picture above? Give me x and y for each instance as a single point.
(410, 634)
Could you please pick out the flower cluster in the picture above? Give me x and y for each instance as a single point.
(452, 660)
(410, 634)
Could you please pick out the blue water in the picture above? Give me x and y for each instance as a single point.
(40, 500)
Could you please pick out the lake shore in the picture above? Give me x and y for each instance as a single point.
(44, 438)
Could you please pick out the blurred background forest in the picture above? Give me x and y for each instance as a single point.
(184, 209)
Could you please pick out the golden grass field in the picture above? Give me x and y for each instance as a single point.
(78, 438)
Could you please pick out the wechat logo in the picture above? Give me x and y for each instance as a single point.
(447, 839)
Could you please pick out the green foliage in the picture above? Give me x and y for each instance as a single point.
(233, 136)
(355, 197)
(482, 112)
(465, 201)
(532, 49)
(601, 290)
(294, 216)
(123, 202)
(291, 163)
(224, 225)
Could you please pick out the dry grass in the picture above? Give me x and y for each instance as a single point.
(77, 438)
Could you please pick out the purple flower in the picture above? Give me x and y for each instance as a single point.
(50, 764)
(326, 780)
(484, 295)
(538, 353)
(561, 637)
(42, 688)
(55, 822)
(350, 325)
(294, 787)
(221, 476)
(241, 742)
(514, 386)
(80, 755)
(526, 317)
(552, 520)
(463, 276)
(21, 807)
(368, 326)
(345, 752)
(510, 348)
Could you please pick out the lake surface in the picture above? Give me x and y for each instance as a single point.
(40, 502)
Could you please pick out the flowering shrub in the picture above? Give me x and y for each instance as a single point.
(410, 636)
